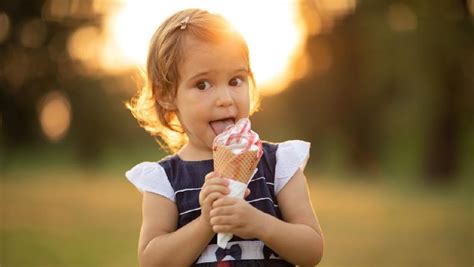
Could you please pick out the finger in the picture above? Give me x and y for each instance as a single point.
(211, 175)
(221, 211)
(215, 188)
(222, 228)
(216, 180)
(225, 201)
(211, 198)
(247, 193)
(207, 190)
(223, 220)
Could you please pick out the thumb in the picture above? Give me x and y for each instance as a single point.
(247, 193)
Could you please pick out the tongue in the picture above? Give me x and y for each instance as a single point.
(219, 126)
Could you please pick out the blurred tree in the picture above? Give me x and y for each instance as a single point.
(388, 89)
(35, 60)
(17, 97)
(453, 56)
(388, 84)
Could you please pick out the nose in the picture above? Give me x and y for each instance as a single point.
(224, 97)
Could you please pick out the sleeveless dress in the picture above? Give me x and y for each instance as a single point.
(180, 181)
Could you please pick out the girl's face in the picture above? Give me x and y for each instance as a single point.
(213, 91)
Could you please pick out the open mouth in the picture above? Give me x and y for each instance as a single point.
(218, 126)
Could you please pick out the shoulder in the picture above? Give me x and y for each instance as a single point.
(168, 161)
(290, 156)
(269, 155)
(296, 145)
(269, 146)
(151, 177)
(147, 169)
(294, 150)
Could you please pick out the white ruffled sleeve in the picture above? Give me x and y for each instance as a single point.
(151, 177)
(290, 156)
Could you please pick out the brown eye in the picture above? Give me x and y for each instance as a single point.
(202, 85)
(235, 82)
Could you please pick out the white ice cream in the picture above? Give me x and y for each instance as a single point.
(239, 137)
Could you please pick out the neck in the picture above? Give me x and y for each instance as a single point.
(190, 152)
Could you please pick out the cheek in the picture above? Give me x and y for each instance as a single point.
(195, 109)
(186, 100)
(245, 100)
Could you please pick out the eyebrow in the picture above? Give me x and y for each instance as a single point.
(204, 73)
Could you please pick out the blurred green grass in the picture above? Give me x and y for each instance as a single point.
(83, 218)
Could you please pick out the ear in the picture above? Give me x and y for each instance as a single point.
(167, 103)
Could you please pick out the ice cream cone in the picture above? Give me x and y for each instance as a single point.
(238, 167)
(236, 152)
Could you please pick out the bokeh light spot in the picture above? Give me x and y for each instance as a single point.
(83, 44)
(337, 8)
(16, 68)
(33, 33)
(401, 18)
(55, 115)
(4, 26)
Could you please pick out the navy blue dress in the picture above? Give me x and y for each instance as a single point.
(181, 182)
(187, 178)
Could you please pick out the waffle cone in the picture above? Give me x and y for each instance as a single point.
(237, 167)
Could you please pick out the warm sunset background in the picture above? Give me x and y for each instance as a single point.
(383, 89)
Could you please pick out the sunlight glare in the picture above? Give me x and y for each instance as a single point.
(270, 28)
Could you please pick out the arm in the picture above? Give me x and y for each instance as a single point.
(160, 243)
(298, 238)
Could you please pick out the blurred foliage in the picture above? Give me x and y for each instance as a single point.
(381, 100)
(388, 91)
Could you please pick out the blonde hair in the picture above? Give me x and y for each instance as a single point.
(165, 53)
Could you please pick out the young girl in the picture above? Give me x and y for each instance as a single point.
(198, 82)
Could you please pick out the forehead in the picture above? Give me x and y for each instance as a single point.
(201, 56)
